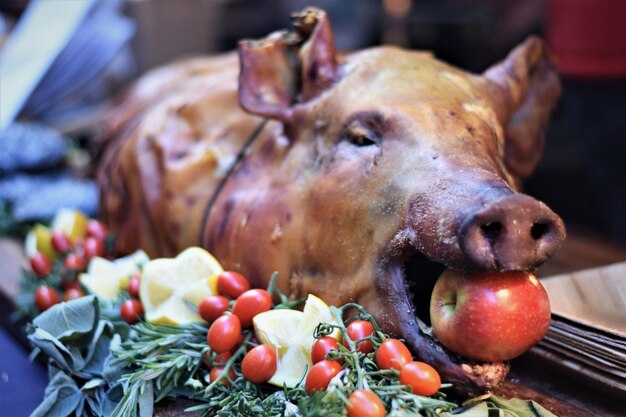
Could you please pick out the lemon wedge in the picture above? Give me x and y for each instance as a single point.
(291, 332)
(38, 239)
(167, 283)
(106, 278)
(72, 223)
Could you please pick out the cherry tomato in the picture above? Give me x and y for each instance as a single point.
(96, 229)
(73, 284)
(93, 247)
(41, 264)
(46, 297)
(392, 353)
(74, 262)
(212, 307)
(133, 285)
(421, 377)
(259, 365)
(322, 346)
(232, 284)
(320, 375)
(72, 294)
(60, 242)
(251, 303)
(217, 371)
(222, 358)
(360, 329)
(219, 359)
(224, 333)
(131, 311)
(364, 403)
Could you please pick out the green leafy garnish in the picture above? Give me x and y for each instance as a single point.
(99, 366)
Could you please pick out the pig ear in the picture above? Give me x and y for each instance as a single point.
(317, 56)
(267, 82)
(526, 88)
(284, 68)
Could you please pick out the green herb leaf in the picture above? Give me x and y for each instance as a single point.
(98, 350)
(146, 401)
(62, 398)
(520, 408)
(72, 322)
(67, 358)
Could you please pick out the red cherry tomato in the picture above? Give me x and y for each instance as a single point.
(93, 247)
(322, 346)
(60, 242)
(212, 307)
(364, 403)
(217, 371)
(251, 303)
(219, 360)
(224, 333)
(320, 375)
(421, 377)
(259, 365)
(131, 311)
(73, 284)
(74, 262)
(72, 294)
(392, 353)
(360, 329)
(133, 285)
(96, 229)
(222, 358)
(41, 265)
(232, 284)
(46, 297)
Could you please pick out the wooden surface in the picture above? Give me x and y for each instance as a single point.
(532, 377)
(595, 296)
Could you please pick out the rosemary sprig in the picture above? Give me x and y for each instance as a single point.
(164, 359)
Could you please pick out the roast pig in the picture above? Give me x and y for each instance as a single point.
(358, 177)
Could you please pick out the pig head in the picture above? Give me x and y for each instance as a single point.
(366, 174)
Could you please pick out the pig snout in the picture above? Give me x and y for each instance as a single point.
(515, 232)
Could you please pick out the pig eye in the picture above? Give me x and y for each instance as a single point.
(359, 135)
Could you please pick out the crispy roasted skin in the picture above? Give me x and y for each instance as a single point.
(358, 161)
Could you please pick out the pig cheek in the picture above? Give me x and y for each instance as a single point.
(355, 221)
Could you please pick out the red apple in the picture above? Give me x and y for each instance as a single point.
(491, 316)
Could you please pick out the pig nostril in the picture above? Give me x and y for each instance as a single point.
(539, 230)
(491, 230)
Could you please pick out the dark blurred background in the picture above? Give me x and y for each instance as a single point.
(583, 172)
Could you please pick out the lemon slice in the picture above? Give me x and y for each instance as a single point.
(291, 332)
(71, 222)
(278, 328)
(39, 240)
(167, 283)
(106, 278)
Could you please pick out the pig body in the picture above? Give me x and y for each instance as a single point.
(338, 171)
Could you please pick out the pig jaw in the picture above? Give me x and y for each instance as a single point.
(406, 273)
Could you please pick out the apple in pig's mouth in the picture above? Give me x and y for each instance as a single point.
(469, 350)
(493, 316)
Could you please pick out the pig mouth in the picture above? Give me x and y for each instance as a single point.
(411, 277)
